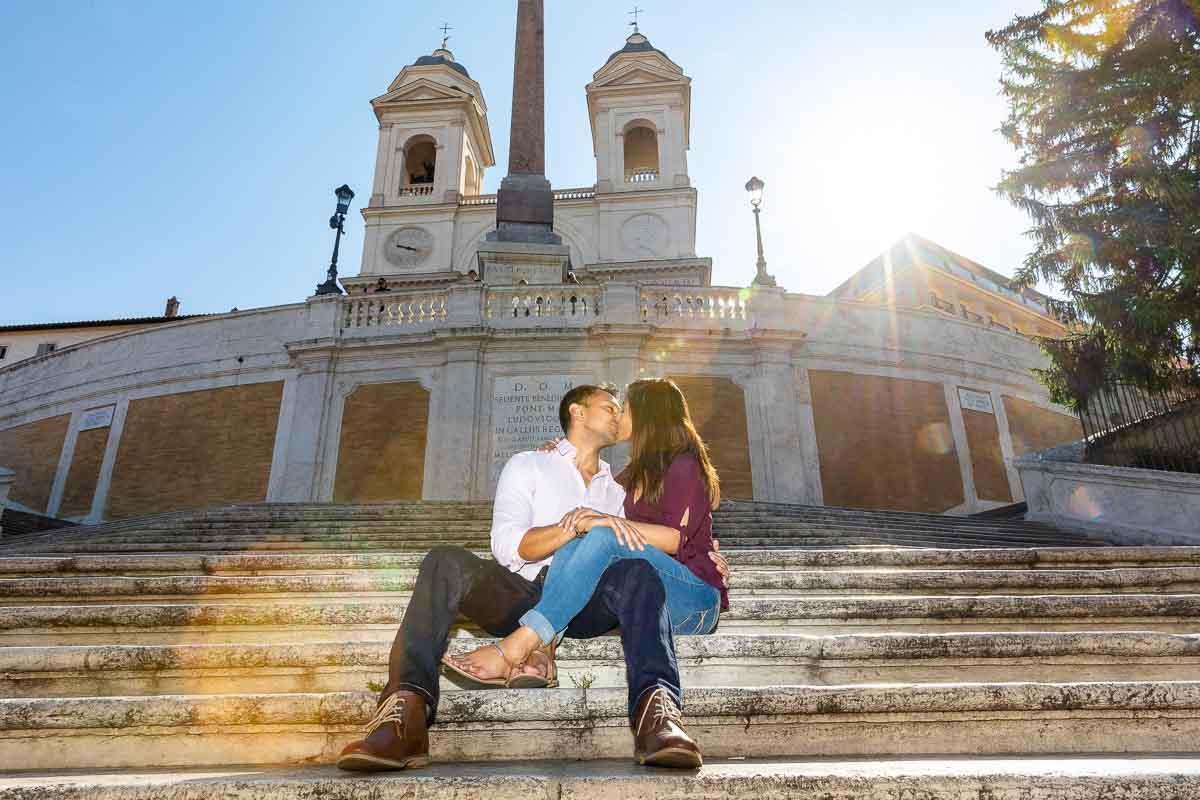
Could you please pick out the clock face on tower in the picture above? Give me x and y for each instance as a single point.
(408, 247)
(644, 236)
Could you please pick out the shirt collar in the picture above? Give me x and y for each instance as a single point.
(569, 450)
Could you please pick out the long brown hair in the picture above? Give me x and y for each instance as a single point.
(662, 430)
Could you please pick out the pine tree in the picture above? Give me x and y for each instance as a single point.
(1104, 111)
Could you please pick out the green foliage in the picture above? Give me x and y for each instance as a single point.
(1104, 111)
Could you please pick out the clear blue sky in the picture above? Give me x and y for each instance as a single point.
(190, 148)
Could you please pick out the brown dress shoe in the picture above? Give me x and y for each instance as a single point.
(658, 736)
(395, 739)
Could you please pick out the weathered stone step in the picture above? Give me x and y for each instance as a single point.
(788, 778)
(303, 543)
(716, 660)
(882, 719)
(889, 558)
(746, 581)
(302, 619)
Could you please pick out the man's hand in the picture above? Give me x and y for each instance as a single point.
(574, 521)
(719, 560)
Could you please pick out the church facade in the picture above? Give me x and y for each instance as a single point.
(447, 353)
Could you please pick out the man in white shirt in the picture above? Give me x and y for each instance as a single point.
(533, 515)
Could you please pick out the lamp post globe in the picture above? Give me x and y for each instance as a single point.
(344, 195)
(755, 187)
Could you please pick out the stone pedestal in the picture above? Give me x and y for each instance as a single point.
(7, 476)
(509, 263)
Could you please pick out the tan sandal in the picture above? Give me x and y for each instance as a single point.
(547, 681)
(474, 681)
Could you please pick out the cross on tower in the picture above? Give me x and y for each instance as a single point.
(636, 11)
(445, 34)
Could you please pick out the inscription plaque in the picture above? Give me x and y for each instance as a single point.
(97, 418)
(525, 414)
(975, 401)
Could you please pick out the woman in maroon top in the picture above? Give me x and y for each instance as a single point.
(671, 489)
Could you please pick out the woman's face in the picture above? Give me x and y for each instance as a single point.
(625, 429)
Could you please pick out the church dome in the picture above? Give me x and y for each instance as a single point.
(637, 43)
(444, 57)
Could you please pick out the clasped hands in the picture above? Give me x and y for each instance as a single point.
(583, 519)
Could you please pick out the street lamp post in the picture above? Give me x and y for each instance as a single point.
(344, 195)
(755, 187)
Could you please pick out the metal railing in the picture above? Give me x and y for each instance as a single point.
(1127, 426)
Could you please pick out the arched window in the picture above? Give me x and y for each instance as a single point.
(420, 166)
(641, 153)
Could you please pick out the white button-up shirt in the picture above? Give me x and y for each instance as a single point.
(537, 489)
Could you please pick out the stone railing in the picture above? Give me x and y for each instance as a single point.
(641, 175)
(477, 200)
(521, 305)
(584, 193)
(392, 310)
(417, 190)
(724, 305)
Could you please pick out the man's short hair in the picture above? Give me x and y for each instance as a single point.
(580, 395)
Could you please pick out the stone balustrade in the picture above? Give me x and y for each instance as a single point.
(417, 190)
(394, 309)
(727, 306)
(518, 305)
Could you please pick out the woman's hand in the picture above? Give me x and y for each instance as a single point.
(625, 531)
(719, 560)
(575, 520)
(548, 446)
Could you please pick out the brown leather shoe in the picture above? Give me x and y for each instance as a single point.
(658, 736)
(395, 739)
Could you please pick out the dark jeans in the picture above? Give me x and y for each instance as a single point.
(454, 581)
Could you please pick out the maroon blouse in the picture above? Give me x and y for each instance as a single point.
(684, 489)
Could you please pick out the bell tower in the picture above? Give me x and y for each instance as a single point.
(434, 147)
(639, 105)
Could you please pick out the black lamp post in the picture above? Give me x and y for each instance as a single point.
(344, 195)
(755, 187)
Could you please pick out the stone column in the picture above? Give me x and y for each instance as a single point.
(450, 452)
(780, 469)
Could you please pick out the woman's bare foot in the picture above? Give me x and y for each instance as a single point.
(488, 663)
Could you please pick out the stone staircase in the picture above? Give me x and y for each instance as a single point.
(887, 646)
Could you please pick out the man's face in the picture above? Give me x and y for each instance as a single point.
(601, 418)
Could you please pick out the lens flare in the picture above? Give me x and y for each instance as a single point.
(936, 438)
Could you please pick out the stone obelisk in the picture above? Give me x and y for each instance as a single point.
(524, 245)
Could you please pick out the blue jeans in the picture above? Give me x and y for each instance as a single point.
(692, 604)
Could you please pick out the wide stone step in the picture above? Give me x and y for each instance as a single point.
(303, 619)
(716, 660)
(747, 581)
(928, 778)
(771, 722)
(887, 558)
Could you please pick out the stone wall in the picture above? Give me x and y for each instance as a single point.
(1035, 428)
(381, 450)
(987, 457)
(84, 473)
(32, 451)
(884, 442)
(718, 407)
(195, 449)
